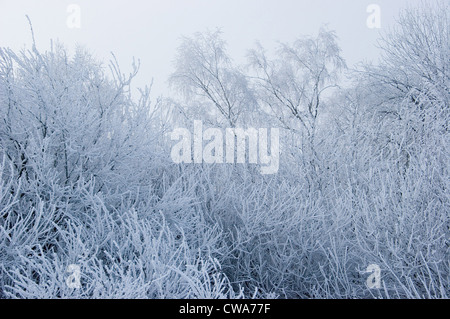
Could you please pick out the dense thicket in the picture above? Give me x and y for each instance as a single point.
(87, 178)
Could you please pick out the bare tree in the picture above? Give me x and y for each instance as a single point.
(292, 85)
(203, 70)
(415, 59)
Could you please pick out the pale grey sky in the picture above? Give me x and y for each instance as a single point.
(151, 30)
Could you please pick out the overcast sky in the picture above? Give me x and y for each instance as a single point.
(151, 30)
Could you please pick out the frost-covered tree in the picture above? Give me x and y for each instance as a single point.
(292, 86)
(409, 92)
(415, 56)
(205, 73)
(391, 153)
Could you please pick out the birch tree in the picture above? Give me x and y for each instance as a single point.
(291, 86)
(205, 74)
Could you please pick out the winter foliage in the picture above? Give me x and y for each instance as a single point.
(86, 176)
